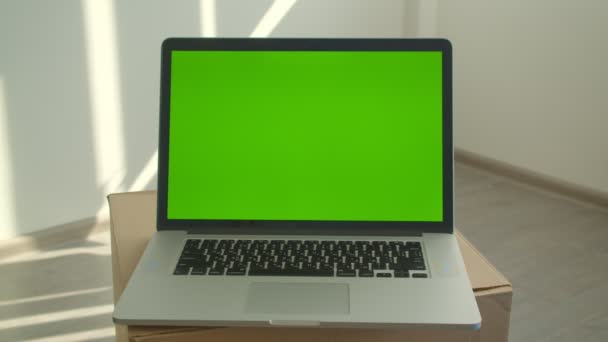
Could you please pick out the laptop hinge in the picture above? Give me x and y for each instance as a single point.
(199, 232)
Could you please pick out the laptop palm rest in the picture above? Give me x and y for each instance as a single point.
(297, 298)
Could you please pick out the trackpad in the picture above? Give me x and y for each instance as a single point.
(297, 298)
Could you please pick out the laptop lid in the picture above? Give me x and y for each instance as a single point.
(306, 136)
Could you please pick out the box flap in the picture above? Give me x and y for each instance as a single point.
(482, 274)
(309, 334)
(135, 213)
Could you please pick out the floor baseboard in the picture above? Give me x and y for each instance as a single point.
(52, 236)
(532, 178)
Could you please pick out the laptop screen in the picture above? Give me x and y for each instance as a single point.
(305, 135)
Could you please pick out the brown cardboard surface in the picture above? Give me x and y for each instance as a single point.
(133, 221)
(482, 274)
(304, 335)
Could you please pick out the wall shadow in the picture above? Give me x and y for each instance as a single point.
(411, 18)
(236, 18)
(142, 25)
(49, 120)
(361, 19)
(44, 69)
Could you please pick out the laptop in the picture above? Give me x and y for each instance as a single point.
(304, 183)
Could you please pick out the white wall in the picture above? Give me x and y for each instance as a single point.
(79, 85)
(79, 89)
(530, 84)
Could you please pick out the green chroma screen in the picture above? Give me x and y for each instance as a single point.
(306, 135)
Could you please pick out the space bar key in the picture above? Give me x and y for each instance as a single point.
(301, 273)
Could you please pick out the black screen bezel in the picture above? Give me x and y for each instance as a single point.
(299, 227)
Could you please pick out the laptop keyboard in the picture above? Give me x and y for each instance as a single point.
(381, 259)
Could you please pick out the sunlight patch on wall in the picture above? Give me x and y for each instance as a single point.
(105, 94)
(264, 28)
(7, 210)
(271, 19)
(208, 18)
(147, 174)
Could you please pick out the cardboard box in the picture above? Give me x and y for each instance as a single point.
(133, 221)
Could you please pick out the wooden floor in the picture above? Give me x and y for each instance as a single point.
(58, 294)
(554, 251)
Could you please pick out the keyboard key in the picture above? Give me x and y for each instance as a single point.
(191, 252)
(402, 274)
(198, 271)
(209, 242)
(236, 271)
(366, 273)
(419, 275)
(378, 266)
(293, 265)
(182, 270)
(394, 266)
(383, 275)
(309, 266)
(412, 245)
(415, 253)
(192, 243)
(346, 273)
(326, 266)
(300, 258)
(189, 259)
(275, 265)
(291, 272)
(216, 271)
